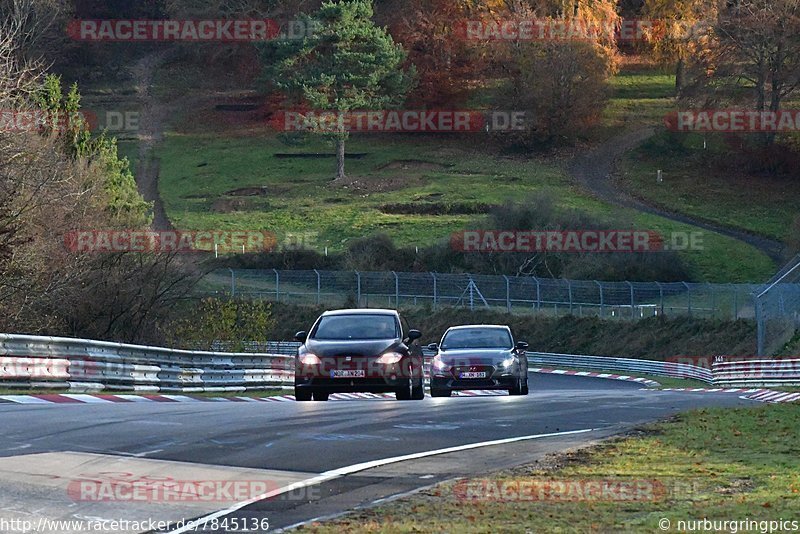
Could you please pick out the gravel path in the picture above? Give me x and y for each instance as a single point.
(594, 170)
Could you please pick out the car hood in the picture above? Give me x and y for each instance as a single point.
(475, 356)
(372, 347)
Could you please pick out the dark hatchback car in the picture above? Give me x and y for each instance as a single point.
(479, 357)
(359, 350)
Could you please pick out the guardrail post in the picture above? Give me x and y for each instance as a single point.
(713, 299)
(538, 294)
(508, 294)
(602, 301)
(233, 282)
(319, 285)
(688, 298)
(434, 291)
(277, 285)
(358, 289)
(396, 290)
(735, 302)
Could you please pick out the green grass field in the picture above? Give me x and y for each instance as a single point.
(206, 156)
(198, 170)
(720, 464)
(693, 184)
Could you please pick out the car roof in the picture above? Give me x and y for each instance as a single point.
(362, 311)
(465, 326)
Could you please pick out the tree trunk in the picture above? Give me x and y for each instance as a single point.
(680, 75)
(340, 159)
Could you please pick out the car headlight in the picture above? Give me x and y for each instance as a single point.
(390, 358)
(310, 359)
(508, 362)
(439, 365)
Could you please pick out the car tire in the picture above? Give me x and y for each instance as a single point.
(525, 387)
(418, 392)
(517, 389)
(441, 392)
(321, 395)
(302, 394)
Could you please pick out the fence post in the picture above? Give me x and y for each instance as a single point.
(569, 289)
(434, 290)
(233, 282)
(735, 302)
(759, 310)
(277, 285)
(632, 300)
(602, 301)
(358, 289)
(319, 285)
(538, 295)
(688, 298)
(661, 296)
(396, 290)
(713, 291)
(508, 294)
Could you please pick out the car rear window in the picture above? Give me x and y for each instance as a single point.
(345, 327)
(477, 338)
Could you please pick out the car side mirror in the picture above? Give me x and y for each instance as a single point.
(414, 334)
(434, 347)
(301, 336)
(521, 345)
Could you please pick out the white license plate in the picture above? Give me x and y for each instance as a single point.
(359, 373)
(473, 375)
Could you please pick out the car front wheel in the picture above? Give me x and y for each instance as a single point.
(302, 394)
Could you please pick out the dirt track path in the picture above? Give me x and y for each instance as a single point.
(151, 132)
(594, 170)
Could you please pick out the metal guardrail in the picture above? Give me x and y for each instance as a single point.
(627, 365)
(29, 362)
(757, 373)
(81, 364)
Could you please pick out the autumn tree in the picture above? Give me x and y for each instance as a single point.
(447, 64)
(559, 83)
(679, 31)
(751, 58)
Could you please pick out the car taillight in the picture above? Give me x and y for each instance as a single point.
(310, 359)
(390, 358)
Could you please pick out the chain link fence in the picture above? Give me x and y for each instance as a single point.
(774, 306)
(778, 309)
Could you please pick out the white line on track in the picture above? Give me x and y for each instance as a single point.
(350, 469)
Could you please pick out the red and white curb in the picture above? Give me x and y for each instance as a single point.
(757, 394)
(75, 398)
(608, 376)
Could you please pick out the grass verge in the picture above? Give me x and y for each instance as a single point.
(719, 464)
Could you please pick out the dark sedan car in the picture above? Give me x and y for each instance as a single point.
(479, 357)
(359, 350)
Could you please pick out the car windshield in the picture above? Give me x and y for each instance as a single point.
(359, 326)
(477, 338)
